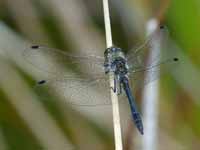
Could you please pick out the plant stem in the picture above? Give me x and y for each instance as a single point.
(114, 98)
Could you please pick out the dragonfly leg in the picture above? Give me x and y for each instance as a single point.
(120, 89)
(115, 85)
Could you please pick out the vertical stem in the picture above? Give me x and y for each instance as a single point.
(107, 23)
(150, 96)
(114, 98)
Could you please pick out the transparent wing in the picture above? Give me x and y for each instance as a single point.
(149, 62)
(60, 63)
(77, 91)
(140, 77)
(137, 57)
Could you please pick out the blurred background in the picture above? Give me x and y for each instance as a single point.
(28, 122)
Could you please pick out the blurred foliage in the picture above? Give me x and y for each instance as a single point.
(43, 22)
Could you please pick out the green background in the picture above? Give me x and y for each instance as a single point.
(28, 123)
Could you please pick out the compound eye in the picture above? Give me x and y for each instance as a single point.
(113, 49)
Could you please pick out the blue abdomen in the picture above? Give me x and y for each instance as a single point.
(135, 114)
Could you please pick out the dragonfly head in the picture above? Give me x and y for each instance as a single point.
(112, 55)
(112, 50)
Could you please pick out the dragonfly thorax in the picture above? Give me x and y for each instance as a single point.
(115, 61)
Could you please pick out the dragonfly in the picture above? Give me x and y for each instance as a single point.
(87, 77)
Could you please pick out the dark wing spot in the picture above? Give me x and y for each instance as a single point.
(41, 82)
(162, 27)
(35, 47)
(176, 59)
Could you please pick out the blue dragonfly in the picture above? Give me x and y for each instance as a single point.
(85, 75)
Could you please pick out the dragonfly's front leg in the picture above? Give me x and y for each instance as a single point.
(118, 85)
(119, 89)
(115, 85)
